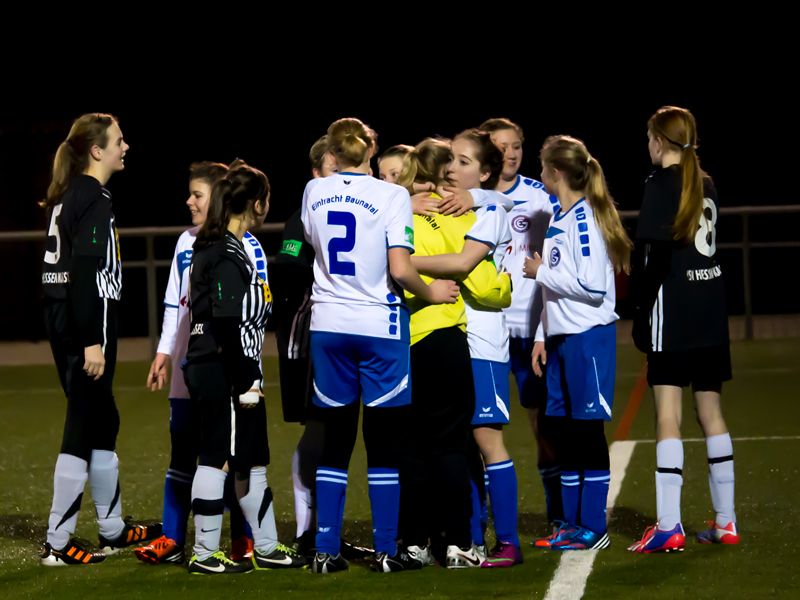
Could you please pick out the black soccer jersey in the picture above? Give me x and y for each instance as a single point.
(82, 226)
(224, 285)
(291, 278)
(689, 309)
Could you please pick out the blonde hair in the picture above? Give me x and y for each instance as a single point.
(676, 126)
(72, 156)
(424, 164)
(583, 173)
(350, 141)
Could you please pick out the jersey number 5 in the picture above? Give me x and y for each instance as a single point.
(342, 244)
(706, 237)
(51, 258)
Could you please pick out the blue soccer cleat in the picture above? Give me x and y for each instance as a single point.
(582, 539)
(657, 540)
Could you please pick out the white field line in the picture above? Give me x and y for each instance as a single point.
(569, 580)
(767, 438)
(120, 388)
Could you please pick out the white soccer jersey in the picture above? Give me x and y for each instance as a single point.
(577, 276)
(529, 220)
(177, 316)
(351, 220)
(487, 332)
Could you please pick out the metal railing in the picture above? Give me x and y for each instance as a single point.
(150, 263)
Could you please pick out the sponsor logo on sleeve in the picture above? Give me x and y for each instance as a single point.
(291, 247)
(410, 235)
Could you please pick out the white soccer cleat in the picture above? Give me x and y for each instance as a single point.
(458, 558)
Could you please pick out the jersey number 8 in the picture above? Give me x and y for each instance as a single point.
(51, 258)
(706, 237)
(345, 244)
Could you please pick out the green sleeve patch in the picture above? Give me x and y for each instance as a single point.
(291, 247)
(410, 235)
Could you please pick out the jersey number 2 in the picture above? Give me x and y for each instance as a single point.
(51, 258)
(705, 240)
(345, 244)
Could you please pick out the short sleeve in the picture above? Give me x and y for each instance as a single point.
(92, 227)
(658, 211)
(227, 289)
(400, 223)
(490, 227)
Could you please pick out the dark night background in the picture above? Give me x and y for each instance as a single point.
(170, 123)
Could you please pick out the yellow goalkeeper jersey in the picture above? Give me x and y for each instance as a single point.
(443, 234)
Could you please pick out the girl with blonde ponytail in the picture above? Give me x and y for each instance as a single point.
(82, 281)
(681, 322)
(576, 340)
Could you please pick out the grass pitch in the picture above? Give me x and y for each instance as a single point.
(762, 401)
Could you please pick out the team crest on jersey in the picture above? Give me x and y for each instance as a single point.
(555, 257)
(520, 224)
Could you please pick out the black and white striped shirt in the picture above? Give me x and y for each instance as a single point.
(225, 285)
(82, 225)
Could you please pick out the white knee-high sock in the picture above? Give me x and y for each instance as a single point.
(258, 509)
(669, 480)
(208, 505)
(303, 499)
(68, 483)
(720, 477)
(104, 480)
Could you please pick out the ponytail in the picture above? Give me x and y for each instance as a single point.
(583, 173)
(234, 194)
(677, 126)
(425, 164)
(72, 156)
(350, 142)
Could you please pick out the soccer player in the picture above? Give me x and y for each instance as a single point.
(361, 232)
(681, 323)
(478, 162)
(230, 304)
(184, 422)
(529, 220)
(436, 470)
(82, 280)
(585, 244)
(390, 162)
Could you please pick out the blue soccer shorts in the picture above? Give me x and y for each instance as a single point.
(581, 372)
(492, 392)
(348, 367)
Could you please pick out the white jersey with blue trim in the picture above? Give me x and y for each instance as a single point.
(487, 332)
(577, 276)
(529, 220)
(351, 220)
(177, 316)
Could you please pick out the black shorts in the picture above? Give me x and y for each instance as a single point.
(297, 379)
(702, 368)
(210, 389)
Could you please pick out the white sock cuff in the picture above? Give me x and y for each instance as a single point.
(71, 463)
(719, 445)
(669, 454)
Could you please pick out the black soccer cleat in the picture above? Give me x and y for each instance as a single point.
(401, 561)
(76, 552)
(218, 564)
(133, 533)
(327, 563)
(280, 558)
(305, 545)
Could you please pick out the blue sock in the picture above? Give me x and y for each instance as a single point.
(384, 497)
(484, 498)
(551, 480)
(475, 524)
(571, 495)
(177, 505)
(503, 486)
(331, 491)
(594, 497)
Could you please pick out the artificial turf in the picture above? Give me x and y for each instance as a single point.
(761, 401)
